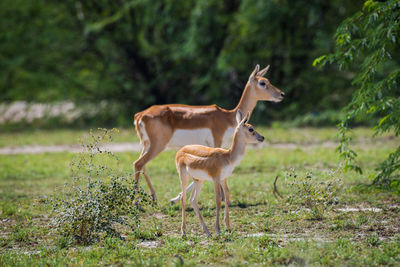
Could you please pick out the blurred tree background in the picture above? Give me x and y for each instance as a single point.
(131, 54)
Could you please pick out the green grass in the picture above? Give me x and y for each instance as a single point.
(266, 231)
(57, 137)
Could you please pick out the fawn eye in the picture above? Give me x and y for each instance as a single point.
(262, 84)
(251, 130)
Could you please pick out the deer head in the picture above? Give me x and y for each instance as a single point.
(246, 130)
(261, 88)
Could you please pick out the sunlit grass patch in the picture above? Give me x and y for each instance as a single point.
(362, 229)
(58, 137)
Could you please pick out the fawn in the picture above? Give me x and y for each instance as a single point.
(214, 164)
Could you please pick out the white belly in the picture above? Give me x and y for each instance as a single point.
(182, 138)
(226, 171)
(199, 174)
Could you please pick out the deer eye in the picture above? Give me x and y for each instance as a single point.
(251, 130)
(262, 84)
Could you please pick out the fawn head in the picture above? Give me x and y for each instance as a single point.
(262, 89)
(246, 130)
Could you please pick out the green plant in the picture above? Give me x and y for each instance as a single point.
(200, 52)
(8, 209)
(24, 178)
(369, 40)
(97, 200)
(22, 233)
(373, 240)
(314, 195)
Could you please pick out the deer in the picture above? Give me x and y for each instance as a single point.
(204, 163)
(176, 125)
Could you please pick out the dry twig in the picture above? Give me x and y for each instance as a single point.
(276, 192)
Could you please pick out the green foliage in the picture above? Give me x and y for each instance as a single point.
(134, 53)
(317, 119)
(373, 240)
(313, 194)
(42, 56)
(369, 40)
(93, 206)
(8, 209)
(22, 233)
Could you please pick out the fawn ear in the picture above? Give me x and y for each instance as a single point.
(254, 73)
(238, 116)
(263, 72)
(246, 118)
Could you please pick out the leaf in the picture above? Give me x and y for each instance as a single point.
(319, 61)
(369, 5)
(384, 119)
(371, 109)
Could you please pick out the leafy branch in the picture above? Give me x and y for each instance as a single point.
(369, 41)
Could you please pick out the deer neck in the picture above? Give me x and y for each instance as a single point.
(247, 102)
(237, 149)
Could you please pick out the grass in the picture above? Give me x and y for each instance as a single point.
(57, 137)
(266, 230)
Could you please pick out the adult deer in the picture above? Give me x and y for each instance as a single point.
(214, 164)
(175, 125)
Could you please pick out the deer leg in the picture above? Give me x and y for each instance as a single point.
(218, 139)
(153, 192)
(226, 215)
(147, 155)
(188, 189)
(217, 190)
(184, 180)
(178, 197)
(194, 201)
(136, 168)
(222, 194)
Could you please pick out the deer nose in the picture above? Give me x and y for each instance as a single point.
(261, 138)
(282, 94)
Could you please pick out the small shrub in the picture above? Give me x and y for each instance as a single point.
(266, 242)
(315, 195)
(172, 210)
(373, 240)
(8, 210)
(97, 201)
(22, 233)
(63, 241)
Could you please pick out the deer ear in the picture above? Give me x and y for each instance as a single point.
(245, 120)
(263, 72)
(238, 116)
(254, 73)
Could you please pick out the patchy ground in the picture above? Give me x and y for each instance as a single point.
(361, 228)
